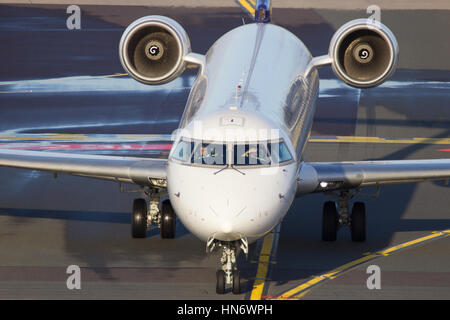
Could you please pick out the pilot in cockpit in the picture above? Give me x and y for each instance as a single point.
(251, 157)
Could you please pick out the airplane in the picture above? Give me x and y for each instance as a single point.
(236, 163)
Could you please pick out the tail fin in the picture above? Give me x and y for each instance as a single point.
(260, 12)
(263, 11)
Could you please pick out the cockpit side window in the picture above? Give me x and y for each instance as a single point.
(279, 152)
(183, 151)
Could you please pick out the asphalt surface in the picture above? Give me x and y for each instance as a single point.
(53, 80)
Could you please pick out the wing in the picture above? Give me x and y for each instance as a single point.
(329, 176)
(140, 171)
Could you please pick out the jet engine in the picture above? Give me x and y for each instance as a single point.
(152, 49)
(364, 53)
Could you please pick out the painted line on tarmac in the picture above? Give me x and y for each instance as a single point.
(52, 141)
(355, 139)
(248, 6)
(303, 289)
(264, 261)
(87, 146)
(86, 137)
(114, 75)
(161, 137)
(62, 79)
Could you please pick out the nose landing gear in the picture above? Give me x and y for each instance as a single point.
(229, 271)
(228, 275)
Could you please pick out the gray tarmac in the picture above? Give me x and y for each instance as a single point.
(53, 81)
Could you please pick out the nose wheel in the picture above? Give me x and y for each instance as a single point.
(236, 287)
(220, 282)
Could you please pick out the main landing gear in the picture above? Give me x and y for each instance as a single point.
(142, 217)
(228, 275)
(338, 215)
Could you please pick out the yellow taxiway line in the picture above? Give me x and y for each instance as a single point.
(314, 139)
(85, 137)
(352, 139)
(114, 75)
(304, 288)
(264, 261)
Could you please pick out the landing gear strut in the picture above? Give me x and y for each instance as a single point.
(337, 216)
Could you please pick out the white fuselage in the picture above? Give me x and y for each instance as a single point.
(254, 87)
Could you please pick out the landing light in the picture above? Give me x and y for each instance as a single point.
(159, 183)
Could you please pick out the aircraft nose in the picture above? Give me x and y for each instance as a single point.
(247, 213)
(226, 226)
(229, 206)
(224, 218)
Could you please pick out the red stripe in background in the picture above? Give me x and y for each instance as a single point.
(31, 146)
(445, 150)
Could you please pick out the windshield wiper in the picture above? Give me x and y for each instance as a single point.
(232, 167)
(226, 166)
(229, 166)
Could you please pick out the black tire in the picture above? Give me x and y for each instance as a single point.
(358, 222)
(330, 219)
(139, 219)
(168, 221)
(236, 282)
(220, 284)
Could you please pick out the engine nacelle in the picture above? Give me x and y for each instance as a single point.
(364, 53)
(152, 49)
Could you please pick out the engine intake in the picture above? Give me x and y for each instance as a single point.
(152, 49)
(364, 53)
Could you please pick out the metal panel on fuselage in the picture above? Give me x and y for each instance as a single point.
(259, 68)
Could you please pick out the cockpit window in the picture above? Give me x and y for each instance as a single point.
(209, 154)
(261, 153)
(240, 154)
(251, 154)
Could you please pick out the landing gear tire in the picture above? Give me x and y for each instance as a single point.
(220, 282)
(358, 222)
(168, 221)
(236, 282)
(139, 219)
(330, 221)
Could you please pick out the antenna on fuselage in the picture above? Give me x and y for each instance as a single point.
(263, 11)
